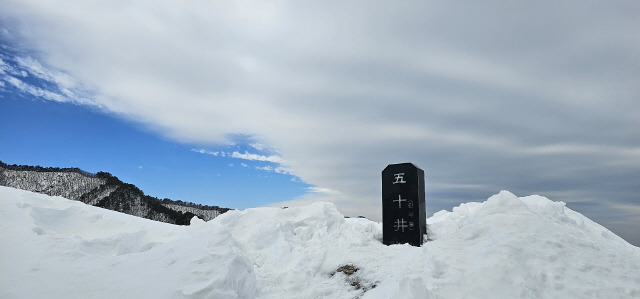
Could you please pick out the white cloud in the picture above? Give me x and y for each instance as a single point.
(530, 97)
(257, 146)
(279, 169)
(4, 67)
(35, 68)
(206, 152)
(250, 157)
(327, 191)
(35, 91)
(256, 157)
(64, 88)
(265, 168)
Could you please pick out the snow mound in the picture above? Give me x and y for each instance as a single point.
(507, 246)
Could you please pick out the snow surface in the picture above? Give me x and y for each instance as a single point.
(505, 247)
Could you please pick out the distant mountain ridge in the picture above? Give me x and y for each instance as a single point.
(102, 190)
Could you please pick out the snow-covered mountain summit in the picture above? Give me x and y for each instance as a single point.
(505, 247)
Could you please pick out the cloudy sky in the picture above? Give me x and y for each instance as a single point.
(309, 100)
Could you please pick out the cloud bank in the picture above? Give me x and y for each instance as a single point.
(532, 97)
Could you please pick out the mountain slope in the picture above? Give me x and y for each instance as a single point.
(505, 247)
(102, 190)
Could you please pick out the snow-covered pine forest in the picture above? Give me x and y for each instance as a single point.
(102, 190)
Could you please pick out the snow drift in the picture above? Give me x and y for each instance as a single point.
(505, 247)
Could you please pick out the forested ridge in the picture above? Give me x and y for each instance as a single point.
(104, 190)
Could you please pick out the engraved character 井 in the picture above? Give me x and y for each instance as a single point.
(400, 225)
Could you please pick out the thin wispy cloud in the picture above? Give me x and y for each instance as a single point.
(246, 156)
(212, 153)
(256, 157)
(268, 168)
(60, 87)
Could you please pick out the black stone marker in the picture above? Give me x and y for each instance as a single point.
(404, 216)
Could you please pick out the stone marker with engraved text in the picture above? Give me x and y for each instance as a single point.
(403, 205)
